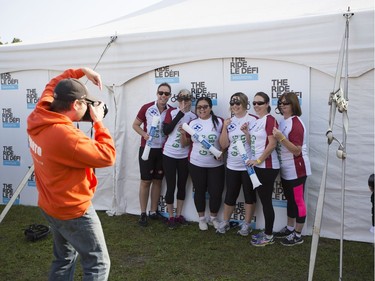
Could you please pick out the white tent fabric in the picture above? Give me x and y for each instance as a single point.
(305, 33)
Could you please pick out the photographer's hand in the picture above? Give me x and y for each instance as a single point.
(97, 112)
(93, 76)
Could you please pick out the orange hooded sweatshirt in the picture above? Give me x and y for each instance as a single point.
(64, 156)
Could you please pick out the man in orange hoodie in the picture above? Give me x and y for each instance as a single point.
(64, 158)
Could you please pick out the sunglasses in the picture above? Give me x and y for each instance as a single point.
(258, 102)
(199, 107)
(234, 103)
(283, 103)
(167, 94)
(184, 98)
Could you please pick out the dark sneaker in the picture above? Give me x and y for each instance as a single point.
(171, 223)
(292, 240)
(143, 220)
(153, 216)
(283, 233)
(181, 220)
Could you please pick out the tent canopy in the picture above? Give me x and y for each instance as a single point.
(173, 32)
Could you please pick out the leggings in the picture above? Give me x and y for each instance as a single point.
(209, 180)
(267, 178)
(170, 166)
(294, 193)
(234, 180)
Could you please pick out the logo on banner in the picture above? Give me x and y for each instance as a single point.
(8, 193)
(199, 89)
(31, 179)
(7, 82)
(162, 207)
(238, 214)
(278, 197)
(9, 121)
(164, 74)
(9, 157)
(31, 98)
(279, 87)
(240, 70)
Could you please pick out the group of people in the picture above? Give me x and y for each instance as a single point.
(272, 148)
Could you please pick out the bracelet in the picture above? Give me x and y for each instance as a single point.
(282, 139)
(258, 161)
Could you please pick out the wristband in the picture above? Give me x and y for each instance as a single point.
(258, 161)
(282, 139)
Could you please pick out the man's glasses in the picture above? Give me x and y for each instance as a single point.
(258, 102)
(199, 107)
(235, 102)
(184, 98)
(283, 103)
(167, 94)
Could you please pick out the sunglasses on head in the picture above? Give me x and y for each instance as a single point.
(258, 102)
(283, 103)
(199, 107)
(167, 94)
(184, 98)
(234, 102)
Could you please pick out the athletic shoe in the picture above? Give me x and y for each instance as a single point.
(214, 222)
(203, 225)
(223, 227)
(257, 236)
(292, 240)
(153, 216)
(264, 241)
(171, 223)
(283, 233)
(245, 229)
(181, 220)
(143, 220)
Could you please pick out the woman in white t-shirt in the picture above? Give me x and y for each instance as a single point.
(295, 166)
(206, 171)
(266, 164)
(236, 173)
(175, 156)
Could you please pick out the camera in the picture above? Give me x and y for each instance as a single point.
(87, 117)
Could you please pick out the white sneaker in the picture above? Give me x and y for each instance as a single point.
(203, 225)
(245, 229)
(215, 222)
(223, 227)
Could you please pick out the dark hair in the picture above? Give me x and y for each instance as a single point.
(165, 84)
(266, 98)
(60, 105)
(215, 120)
(371, 181)
(292, 98)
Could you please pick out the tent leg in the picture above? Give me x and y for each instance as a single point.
(16, 193)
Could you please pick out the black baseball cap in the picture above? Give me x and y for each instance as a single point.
(71, 89)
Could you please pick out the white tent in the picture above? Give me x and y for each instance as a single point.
(195, 35)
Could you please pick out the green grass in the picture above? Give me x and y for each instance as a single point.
(158, 253)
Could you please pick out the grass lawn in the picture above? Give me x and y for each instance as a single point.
(186, 253)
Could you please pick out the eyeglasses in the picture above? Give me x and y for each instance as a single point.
(167, 94)
(234, 102)
(93, 103)
(258, 103)
(184, 98)
(199, 107)
(283, 103)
